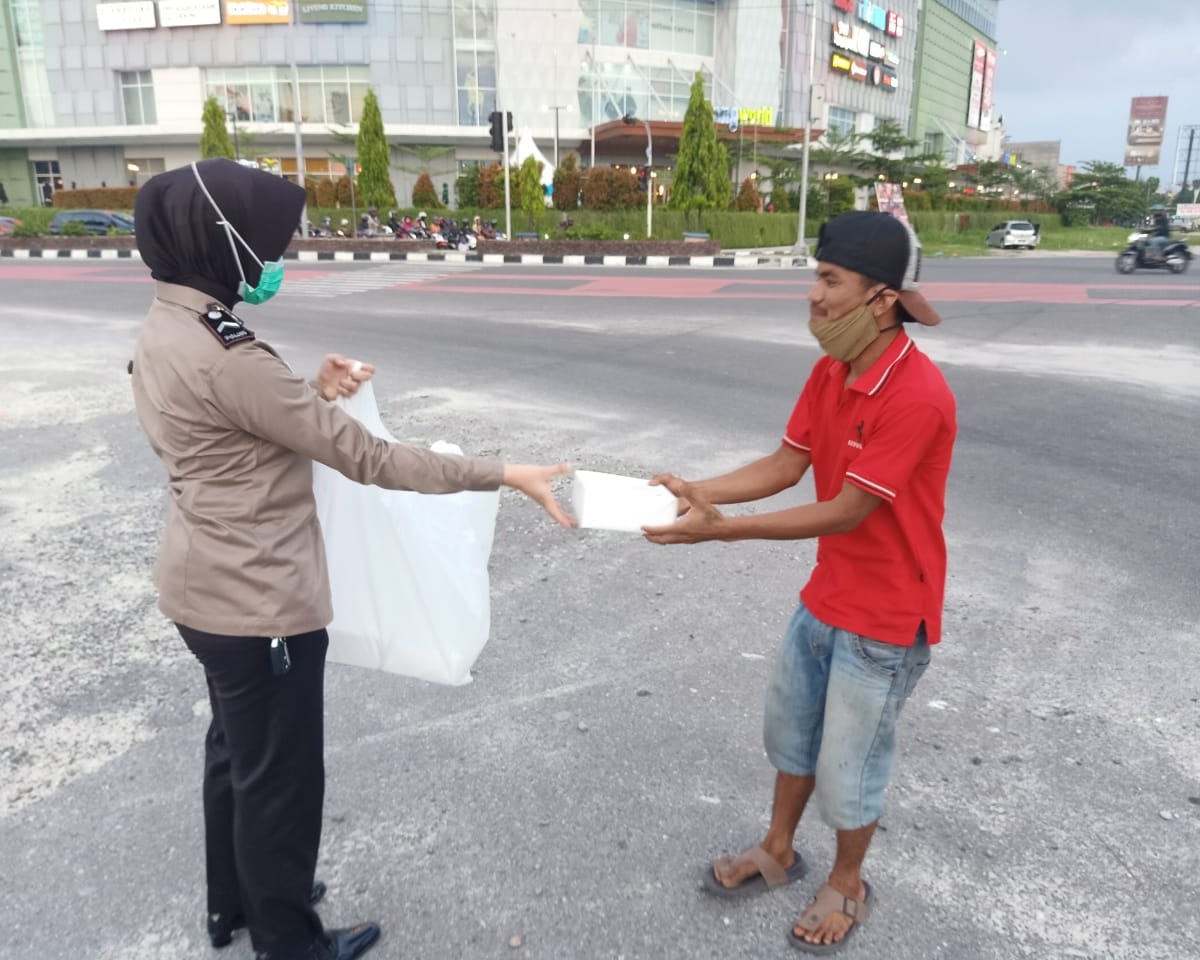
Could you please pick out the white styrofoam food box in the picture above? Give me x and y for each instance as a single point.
(609, 501)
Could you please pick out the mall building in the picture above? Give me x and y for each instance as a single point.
(110, 92)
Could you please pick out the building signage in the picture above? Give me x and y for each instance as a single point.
(125, 16)
(188, 13)
(989, 83)
(851, 38)
(881, 77)
(975, 91)
(846, 6)
(1147, 121)
(257, 11)
(856, 68)
(733, 118)
(875, 16)
(895, 25)
(333, 11)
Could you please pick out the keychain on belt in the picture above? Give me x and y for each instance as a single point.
(281, 660)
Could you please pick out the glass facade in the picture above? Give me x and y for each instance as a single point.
(610, 91)
(31, 62)
(264, 94)
(137, 97)
(475, 60)
(668, 26)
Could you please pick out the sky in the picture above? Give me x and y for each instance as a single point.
(1069, 68)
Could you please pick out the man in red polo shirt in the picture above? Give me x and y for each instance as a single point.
(876, 422)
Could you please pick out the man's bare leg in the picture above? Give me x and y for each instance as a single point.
(791, 796)
(846, 879)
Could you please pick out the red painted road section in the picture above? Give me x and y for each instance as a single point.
(737, 285)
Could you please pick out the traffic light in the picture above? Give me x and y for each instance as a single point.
(497, 131)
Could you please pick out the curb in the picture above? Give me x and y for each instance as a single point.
(535, 259)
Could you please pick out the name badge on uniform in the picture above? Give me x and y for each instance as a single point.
(225, 326)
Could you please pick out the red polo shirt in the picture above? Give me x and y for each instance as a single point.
(892, 433)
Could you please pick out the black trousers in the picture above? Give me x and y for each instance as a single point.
(264, 783)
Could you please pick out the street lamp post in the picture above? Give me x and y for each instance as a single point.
(807, 106)
(629, 119)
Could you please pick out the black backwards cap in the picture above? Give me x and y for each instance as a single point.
(882, 248)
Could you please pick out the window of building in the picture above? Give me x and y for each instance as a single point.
(841, 121)
(31, 62)
(264, 94)
(475, 60)
(934, 144)
(141, 169)
(48, 178)
(670, 26)
(137, 94)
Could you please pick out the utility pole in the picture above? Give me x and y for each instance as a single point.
(807, 106)
(300, 175)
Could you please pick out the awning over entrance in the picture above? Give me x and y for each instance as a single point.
(619, 140)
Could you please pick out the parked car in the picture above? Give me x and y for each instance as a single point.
(98, 222)
(7, 224)
(1014, 233)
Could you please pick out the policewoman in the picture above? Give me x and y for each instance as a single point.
(241, 567)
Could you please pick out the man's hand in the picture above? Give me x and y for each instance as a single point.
(700, 520)
(340, 376)
(535, 482)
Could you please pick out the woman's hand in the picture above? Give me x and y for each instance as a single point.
(341, 376)
(535, 482)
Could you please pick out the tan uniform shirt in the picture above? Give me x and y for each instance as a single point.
(242, 552)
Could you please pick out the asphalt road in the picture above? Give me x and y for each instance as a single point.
(1047, 801)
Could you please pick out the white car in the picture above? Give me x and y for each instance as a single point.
(1014, 233)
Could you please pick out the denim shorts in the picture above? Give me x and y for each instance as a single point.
(831, 713)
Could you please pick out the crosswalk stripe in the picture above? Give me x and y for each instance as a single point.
(337, 283)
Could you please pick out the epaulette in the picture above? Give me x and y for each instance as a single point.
(225, 326)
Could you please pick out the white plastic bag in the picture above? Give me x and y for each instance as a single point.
(408, 571)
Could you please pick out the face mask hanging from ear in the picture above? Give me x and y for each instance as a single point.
(271, 278)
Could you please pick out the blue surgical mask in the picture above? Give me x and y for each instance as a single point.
(271, 278)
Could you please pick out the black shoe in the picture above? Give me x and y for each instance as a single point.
(222, 925)
(344, 944)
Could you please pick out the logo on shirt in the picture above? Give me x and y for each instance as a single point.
(858, 444)
(225, 326)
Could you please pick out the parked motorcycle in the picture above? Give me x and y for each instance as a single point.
(1174, 255)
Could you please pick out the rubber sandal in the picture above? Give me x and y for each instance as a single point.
(829, 901)
(771, 875)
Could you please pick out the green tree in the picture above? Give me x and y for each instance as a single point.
(748, 197)
(568, 182)
(1186, 195)
(1106, 192)
(889, 154)
(529, 189)
(424, 193)
(701, 179)
(374, 182)
(214, 139)
(466, 187)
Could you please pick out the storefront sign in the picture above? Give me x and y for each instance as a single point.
(854, 39)
(125, 16)
(733, 118)
(257, 11)
(333, 11)
(895, 25)
(188, 13)
(846, 6)
(856, 69)
(881, 77)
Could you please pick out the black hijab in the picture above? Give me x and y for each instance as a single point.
(181, 242)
